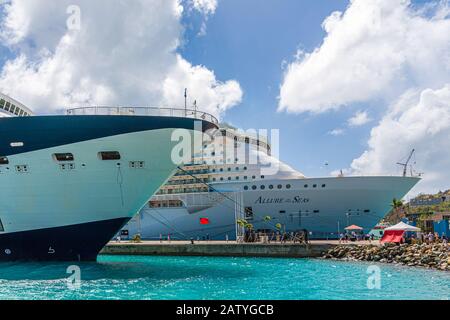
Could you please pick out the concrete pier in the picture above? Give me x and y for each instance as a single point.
(220, 249)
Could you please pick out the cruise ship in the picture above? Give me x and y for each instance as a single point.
(233, 179)
(69, 183)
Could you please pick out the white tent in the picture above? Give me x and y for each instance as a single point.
(402, 227)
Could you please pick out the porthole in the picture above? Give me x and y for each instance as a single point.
(306, 186)
(63, 157)
(315, 186)
(324, 185)
(262, 177)
(109, 155)
(271, 187)
(246, 188)
(288, 186)
(16, 144)
(263, 187)
(254, 187)
(280, 186)
(4, 160)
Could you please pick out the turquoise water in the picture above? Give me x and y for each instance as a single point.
(218, 278)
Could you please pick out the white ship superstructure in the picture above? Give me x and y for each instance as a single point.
(69, 183)
(203, 200)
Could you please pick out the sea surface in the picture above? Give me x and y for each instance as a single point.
(128, 277)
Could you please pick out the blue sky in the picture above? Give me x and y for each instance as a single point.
(384, 59)
(248, 41)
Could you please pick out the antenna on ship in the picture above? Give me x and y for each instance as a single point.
(185, 102)
(405, 165)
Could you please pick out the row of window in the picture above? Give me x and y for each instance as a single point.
(229, 169)
(11, 108)
(183, 190)
(166, 204)
(214, 170)
(246, 140)
(271, 187)
(237, 178)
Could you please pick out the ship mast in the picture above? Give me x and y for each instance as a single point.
(405, 165)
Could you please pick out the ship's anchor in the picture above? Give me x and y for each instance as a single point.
(51, 250)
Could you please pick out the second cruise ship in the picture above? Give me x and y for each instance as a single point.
(227, 183)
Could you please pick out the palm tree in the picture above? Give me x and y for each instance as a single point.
(241, 223)
(396, 204)
(397, 211)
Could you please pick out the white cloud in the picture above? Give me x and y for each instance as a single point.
(359, 119)
(337, 132)
(124, 54)
(205, 6)
(384, 51)
(420, 120)
(203, 87)
(375, 49)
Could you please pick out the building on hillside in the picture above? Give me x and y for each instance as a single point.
(438, 222)
(429, 200)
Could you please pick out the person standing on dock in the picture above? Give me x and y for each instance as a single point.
(306, 235)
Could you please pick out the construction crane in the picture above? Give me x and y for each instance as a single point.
(405, 165)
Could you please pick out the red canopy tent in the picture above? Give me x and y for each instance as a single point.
(395, 233)
(392, 236)
(353, 228)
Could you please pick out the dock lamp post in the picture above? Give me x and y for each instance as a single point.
(185, 102)
(348, 214)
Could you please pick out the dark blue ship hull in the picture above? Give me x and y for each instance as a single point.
(69, 243)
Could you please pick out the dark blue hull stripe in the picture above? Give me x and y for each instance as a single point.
(44, 132)
(80, 242)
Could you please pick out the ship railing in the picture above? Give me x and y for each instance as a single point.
(143, 111)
